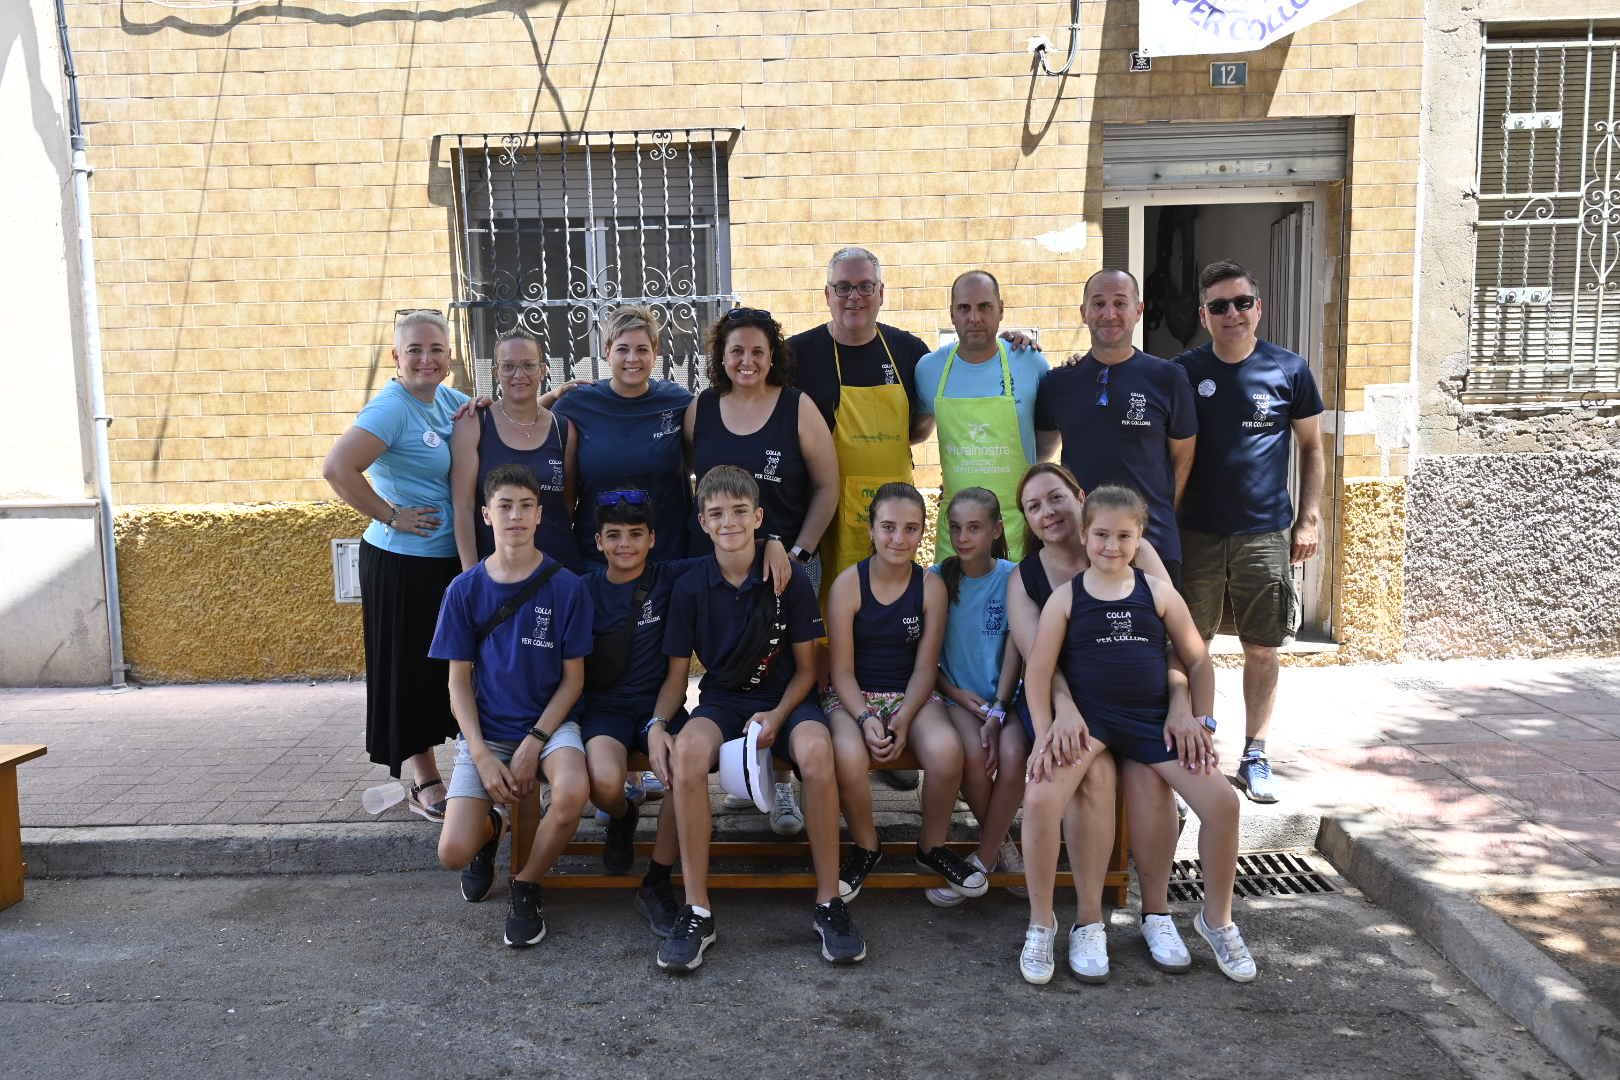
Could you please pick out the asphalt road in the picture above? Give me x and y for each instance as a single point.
(395, 976)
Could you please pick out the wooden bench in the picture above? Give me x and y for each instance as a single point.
(898, 871)
(12, 867)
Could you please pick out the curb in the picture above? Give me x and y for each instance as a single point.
(1515, 974)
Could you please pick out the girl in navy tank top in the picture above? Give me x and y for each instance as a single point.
(885, 624)
(483, 441)
(1107, 630)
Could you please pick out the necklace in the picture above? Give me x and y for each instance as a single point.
(501, 405)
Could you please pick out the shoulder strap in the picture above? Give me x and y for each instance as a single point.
(524, 595)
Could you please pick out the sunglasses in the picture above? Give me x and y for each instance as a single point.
(633, 496)
(1242, 303)
(746, 313)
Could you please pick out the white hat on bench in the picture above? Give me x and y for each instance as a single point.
(745, 769)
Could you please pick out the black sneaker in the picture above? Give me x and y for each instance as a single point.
(479, 875)
(683, 951)
(526, 925)
(899, 779)
(852, 871)
(657, 905)
(841, 943)
(619, 849)
(964, 878)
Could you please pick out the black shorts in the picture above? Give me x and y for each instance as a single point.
(733, 721)
(623, 727)
(1130, 740)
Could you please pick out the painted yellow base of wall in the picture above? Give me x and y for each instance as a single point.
(236, 592)
(1372, 592)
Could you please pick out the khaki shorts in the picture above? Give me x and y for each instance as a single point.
(1252, 570)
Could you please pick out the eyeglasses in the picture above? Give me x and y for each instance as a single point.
(633, 496)
(843, 289)
(1242, 303)
(746, 313)
(531, 368)
(400, 313)
(1102, 386)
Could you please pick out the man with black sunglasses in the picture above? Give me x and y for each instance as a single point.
(1124, 416)
(1239, 530)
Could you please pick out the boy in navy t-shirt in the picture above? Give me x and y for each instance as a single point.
(516, 629)
(758, 652)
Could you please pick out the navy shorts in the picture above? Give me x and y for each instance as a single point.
(1132, 740)
(625, 728)
(733, 721)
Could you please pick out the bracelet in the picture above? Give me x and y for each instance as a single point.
(536, 733)
(646, 729)
(392, 517)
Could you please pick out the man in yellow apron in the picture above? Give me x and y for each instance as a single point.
(861, 374)
(981, 393)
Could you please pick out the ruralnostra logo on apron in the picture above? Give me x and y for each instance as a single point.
(980, 446)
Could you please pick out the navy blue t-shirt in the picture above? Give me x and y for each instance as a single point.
(707, 617)
(1124, 440)
(516, 668)
(1239, 481)
(637, 692)
(627, 442)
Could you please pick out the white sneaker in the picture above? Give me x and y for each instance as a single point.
(1230, 952)
(1165, 947)
(1035, 963)
(1088, 953)
(737, 802)
(948, 897)
(1009, 861)
(786, 817)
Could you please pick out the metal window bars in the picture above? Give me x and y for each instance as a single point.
(1545, 321)
(556, 229)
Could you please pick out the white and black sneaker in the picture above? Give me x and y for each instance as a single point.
(526, 925)
(841, 943)
(964, 878)
(852, 870)
(684, 948)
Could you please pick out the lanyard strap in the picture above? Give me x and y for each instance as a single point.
(892, 370)
(1006, 369)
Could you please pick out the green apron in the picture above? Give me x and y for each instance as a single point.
(979, 446)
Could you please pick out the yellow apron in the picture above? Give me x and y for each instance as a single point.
(872, 435)
(980, 446)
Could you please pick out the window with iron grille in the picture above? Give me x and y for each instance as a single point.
(557, 229)
(1545, 323)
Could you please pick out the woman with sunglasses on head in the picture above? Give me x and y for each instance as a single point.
(628, 429)
(752, 418)
(408, 552)
(516, 430)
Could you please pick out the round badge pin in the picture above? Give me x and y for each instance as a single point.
(1206, 388)
(431, 437)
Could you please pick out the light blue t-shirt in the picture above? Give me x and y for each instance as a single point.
(976, 630)
(415, 469)
(984, 380)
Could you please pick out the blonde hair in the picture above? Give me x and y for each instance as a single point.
(628, 319)
(1114, 497)
(419, 318)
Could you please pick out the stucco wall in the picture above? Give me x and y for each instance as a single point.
(1371, 596)
(236, 592)
(1513, 555)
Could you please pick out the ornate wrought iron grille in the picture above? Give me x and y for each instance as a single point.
(556, 229)
(1546, 305)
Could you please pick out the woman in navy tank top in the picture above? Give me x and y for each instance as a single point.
(1107, 630)
(885, 625)
(515, 430)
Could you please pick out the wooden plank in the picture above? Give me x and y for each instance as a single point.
(13, 755)
(799, 879)
(12, 867)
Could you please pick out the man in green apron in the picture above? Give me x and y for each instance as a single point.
(981, 392)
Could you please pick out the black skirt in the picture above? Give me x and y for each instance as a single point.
(407, 694)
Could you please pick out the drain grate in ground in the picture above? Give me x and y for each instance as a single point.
(1265, 873)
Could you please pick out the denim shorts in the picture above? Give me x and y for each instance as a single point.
(465, 783)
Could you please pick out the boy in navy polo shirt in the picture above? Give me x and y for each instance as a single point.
(1125, 417)
(1239, 532)
(758, 652)
(516, 629)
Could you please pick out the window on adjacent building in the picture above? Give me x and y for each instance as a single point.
(558, 229)
(1546, 308)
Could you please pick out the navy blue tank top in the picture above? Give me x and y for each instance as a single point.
(887, 635)
(1033, 573)
(771, 454)
(555, 536)
(1114, 656)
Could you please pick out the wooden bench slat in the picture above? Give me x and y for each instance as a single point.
(17, 754)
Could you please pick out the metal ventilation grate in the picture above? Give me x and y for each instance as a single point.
(1266, 873)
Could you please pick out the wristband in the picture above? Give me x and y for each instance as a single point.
(646, 729)
(997, 713)
(392, 517)
(536, 733)
(1207, 721)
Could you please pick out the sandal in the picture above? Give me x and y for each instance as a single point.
(433, 812)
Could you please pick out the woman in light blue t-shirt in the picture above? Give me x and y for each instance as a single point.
(977, 674)
(408, 552)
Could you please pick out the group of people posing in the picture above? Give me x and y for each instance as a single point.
(539, 573)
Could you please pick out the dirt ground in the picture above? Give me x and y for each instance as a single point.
(1579, 930)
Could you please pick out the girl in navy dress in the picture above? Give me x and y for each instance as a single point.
(1107, 630)
(885, 623)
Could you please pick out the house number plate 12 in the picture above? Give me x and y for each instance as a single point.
(1228, 73)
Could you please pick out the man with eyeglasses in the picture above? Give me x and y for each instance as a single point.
(1124, 416)
(1239, 531)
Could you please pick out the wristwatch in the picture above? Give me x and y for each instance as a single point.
(804, 555)
(1207, 721)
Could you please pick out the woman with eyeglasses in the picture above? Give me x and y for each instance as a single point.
(408, 552)
(515, 430)
(752, 418)
(628, 430)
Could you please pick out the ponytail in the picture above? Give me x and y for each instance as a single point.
(951, 568)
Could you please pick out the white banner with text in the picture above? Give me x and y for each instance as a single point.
(1222, 27)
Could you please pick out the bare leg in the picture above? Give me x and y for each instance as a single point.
(666, 847)
(696, 749)
(853, 762)
(975, 781)
(1088, 825)
(565, 771)
(1216, 805)
(1044, 806)
(424, 767)
(608, 761)
(812, 749)
(1150, 812)
(1005, 794)
(467, 827)
(934, 740)
(1260, 666)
